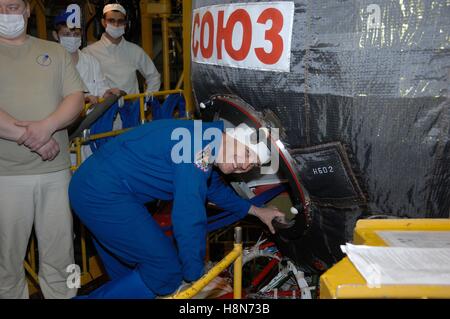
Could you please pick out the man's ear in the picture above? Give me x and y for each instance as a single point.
(55, 36)
(28, 10)
(104, 23)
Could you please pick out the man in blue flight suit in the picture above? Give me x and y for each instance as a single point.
(166, 160)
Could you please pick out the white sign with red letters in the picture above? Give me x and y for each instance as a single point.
(253, 35)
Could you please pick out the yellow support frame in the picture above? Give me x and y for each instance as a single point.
(146, 29)
(89, 13)
(157, 9)
(166, 50)
(38, 8)
(234, 256)
(187, 23)
(162, 10)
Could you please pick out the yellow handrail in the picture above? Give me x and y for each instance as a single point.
(104, 135)
(234, 256)
(142, 96)
(150, 94)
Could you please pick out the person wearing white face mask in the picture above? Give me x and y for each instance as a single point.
(87, 65)
(11, 25)
(120, 59)
(41, 93)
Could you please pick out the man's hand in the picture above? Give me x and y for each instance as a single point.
(37, 134)
(266, 215)
(49, 151)
(91, 99)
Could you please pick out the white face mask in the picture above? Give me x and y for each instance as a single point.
(115, 32)
(72, 44)
(11, 25)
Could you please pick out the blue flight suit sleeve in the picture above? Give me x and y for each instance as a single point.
(225, 197)
(189, 218)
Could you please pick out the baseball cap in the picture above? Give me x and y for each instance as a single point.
(114, 7)
(61, 18)
(243, 133)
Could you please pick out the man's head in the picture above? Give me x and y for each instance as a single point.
(240, 152)
(68, 38)
(114, 20)
(14, 16)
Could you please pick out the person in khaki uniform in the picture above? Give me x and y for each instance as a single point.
(40, 95)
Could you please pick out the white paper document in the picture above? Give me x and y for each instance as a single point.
(399, 265)
(416, 239)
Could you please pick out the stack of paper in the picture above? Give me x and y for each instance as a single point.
(416, 239)
(400, 265)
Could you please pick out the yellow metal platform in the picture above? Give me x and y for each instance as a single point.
(343, 281)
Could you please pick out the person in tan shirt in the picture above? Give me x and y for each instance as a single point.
(41, 93)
